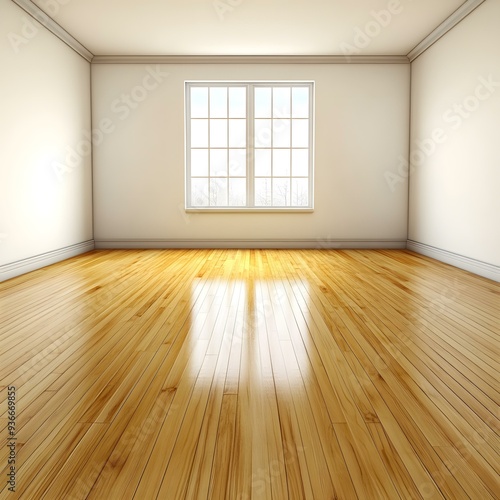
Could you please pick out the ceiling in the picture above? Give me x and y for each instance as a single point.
(249, 27)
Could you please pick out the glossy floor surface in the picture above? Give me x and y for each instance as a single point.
(263, 374)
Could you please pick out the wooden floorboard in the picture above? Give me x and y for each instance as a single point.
(251, 374)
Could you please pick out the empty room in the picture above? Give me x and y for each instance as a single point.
(249, 249)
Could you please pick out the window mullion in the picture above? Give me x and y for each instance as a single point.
(187, 195)
(311, 145)
(228, 145)
(291, 146)
(250, 149)
(272, 145)
(209, 149)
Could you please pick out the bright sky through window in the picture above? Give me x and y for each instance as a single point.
(249, 145)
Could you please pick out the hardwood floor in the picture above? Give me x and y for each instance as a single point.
(263, 374)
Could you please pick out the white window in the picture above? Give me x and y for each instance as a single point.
(249, 145)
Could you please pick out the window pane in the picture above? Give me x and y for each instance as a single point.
(262, 98)
(237, 102)
(225, 163)
(218, 102)
(218, 133)
(237, 192)
(262, 162)
(300, 192)
(281, 102)
(199, 133)
(199, 102)
(281, 192)
(237, 133)
(300, 133)
(300, 102)
(281, 133)
(281, 162)
(218, 162)
(218, 192)
(300, 162)
(262, 133)
(237, 162)
(199, 192)
(199, 162)
(263, 192)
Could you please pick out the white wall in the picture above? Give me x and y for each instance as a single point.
(455, 184)
(362, 116)
(45, 107)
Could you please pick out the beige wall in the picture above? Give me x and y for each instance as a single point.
(46, 197)
(362, 115)
(455, 179)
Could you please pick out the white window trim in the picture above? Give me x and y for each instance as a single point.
(250, 130)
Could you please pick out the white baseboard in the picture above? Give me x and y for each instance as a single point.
(17, 268)
(23, 266)
(250, 243)
(474, 266)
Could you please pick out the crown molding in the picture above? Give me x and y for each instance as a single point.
(39, 15)
(227, 59)
(459, 15)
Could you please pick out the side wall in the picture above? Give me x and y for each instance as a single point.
(455, 171)
(361, 128)
(45, 159)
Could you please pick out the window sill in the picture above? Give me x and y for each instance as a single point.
(249, 210)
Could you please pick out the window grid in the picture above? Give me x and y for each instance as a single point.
(210, 176)
(290, 192)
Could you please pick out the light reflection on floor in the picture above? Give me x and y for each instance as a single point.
(256, 320)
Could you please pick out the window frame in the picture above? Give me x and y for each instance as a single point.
(250, 147)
